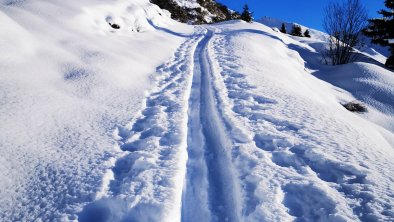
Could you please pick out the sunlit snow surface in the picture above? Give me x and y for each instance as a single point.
(67, 79)
(160, 121)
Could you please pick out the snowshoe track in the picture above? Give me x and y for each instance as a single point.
(286, 156)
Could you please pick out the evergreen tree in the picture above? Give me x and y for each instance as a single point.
(246, 14)
(381, 30)
(296, 30)
(307, 34)
(283, 28)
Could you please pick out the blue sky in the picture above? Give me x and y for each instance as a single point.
(305, 12)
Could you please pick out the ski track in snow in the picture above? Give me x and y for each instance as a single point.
(149, 172)
(200, 151)
(242, 123)
(210, 191)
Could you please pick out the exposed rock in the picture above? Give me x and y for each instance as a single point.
(198, 11)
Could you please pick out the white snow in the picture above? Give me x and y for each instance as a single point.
(310, 146)
(161, 121)
(188, 4)
(366, 80)
(67, 80)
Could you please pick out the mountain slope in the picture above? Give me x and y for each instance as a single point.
(377, 52)
(367, 80)
(67, 80)
(111, 111)
(257, 141)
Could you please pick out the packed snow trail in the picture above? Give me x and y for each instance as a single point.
(146, 180)
(210, 193)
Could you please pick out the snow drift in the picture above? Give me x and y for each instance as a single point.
(367, 80)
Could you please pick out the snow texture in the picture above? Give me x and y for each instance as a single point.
(161, 121)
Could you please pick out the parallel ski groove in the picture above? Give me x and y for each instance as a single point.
(211, 179)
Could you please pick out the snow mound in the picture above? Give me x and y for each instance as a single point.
(130, 16)
(369, 83)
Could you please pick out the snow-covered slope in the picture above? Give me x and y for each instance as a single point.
(376, 52)
(367, 80)
(307, 158)
(161, 121)
(66, 80)
(273, 22)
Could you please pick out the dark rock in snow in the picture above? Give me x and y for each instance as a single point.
(114, 26)
(355, 107)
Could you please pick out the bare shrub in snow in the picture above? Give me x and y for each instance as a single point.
(344, 22)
